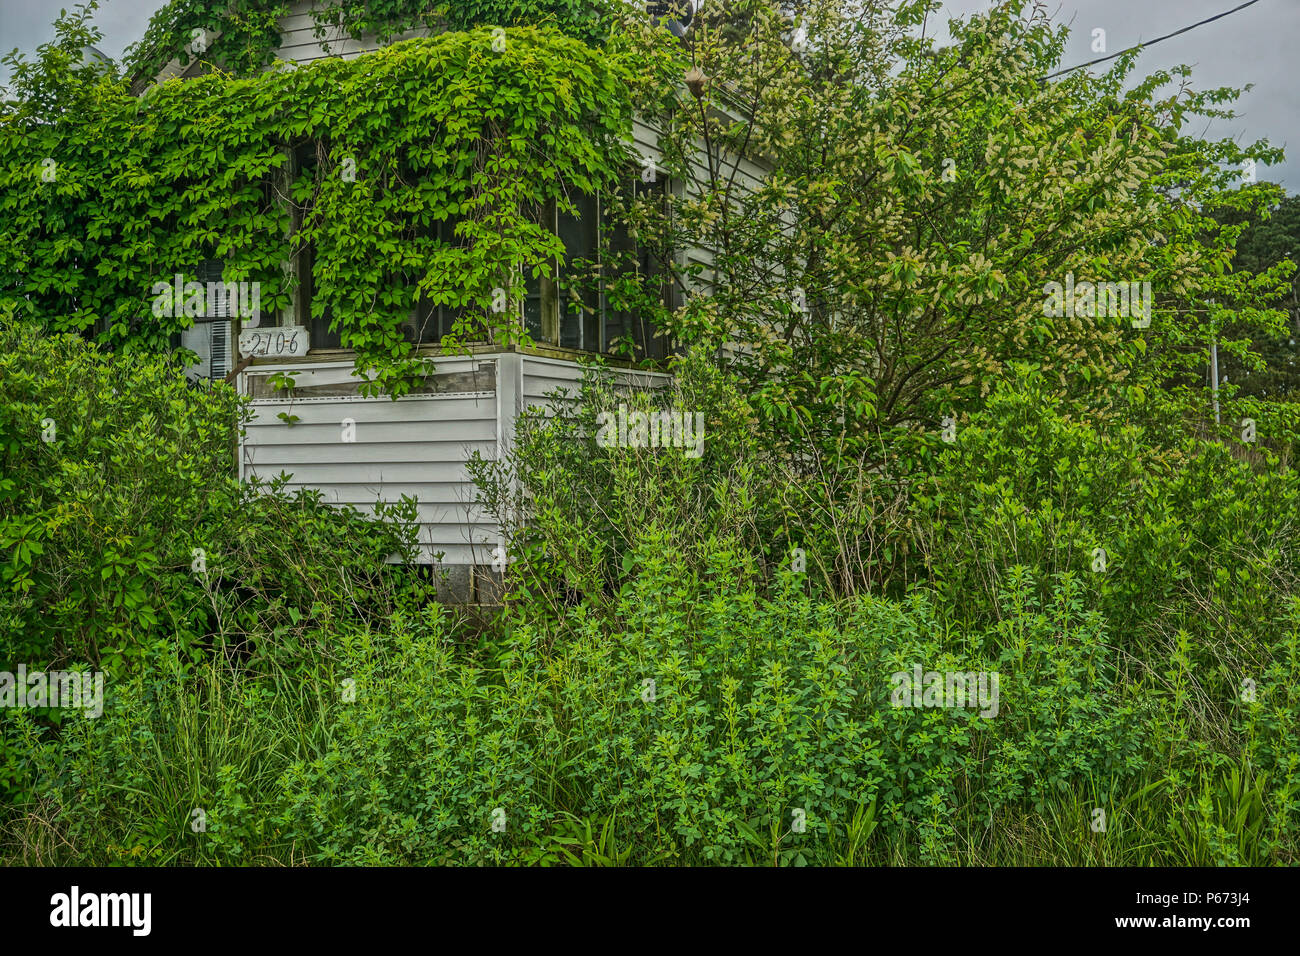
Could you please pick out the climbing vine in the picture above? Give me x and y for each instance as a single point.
(248, 32)
(244, 34)
(475, 130)
(587, 20)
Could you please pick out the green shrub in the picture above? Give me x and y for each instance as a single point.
(765, 711)
(665, 686)
(759, 708)
(114, 474)
(101, 525)
(1200, 547)
(180, 769)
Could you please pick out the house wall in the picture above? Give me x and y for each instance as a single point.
(544, 376)
(417, 445)
(299, 43)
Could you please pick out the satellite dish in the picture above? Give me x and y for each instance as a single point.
(94, 58)
(677, 13)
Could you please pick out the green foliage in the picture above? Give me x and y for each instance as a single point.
(683, 703)
(238, 35)
(884, 215)
(574, 508)
(667, 683)
(587, 20)
(243, 35)
(1199, 545)
(101, 524)
(124, 789)
(112, 471)
(436, 130)
(1270, 239)
(62, 79)
(759, 707)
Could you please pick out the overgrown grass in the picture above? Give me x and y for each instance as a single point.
(762, 712)
(668, 686)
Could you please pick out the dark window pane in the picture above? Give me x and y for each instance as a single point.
(533, 307)
(305, 163)
(318, 326)
(422, 327)
(621, 323)
(444, 315)
(579, 292)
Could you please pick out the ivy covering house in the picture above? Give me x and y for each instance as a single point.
(436, 214)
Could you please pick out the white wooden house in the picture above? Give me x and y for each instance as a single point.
(419, 444)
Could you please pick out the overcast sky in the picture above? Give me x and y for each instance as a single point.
(1256, 45)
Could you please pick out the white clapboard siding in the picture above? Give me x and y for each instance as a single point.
(417, 446)
(746, 176)
(749, 175)
(299, 43)
(543, 376)
(379, 428)
(444, 493)
(325, 468)
(431, 450)
(645, 139)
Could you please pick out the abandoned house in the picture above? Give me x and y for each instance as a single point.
(417, 445)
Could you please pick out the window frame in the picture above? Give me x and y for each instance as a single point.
(652, 344)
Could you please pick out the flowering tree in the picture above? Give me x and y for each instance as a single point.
(919, 203)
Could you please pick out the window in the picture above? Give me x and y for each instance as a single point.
(571, 307)
(563, 307)
(218, 323)
(620, 325)
(321, 335)
(428, 322)
(210, 337)
(425, 323)
(305, 161)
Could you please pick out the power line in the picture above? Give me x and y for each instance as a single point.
(1140, 46)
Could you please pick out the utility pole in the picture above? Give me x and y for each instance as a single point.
(1214, 363)
(1214, 375)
